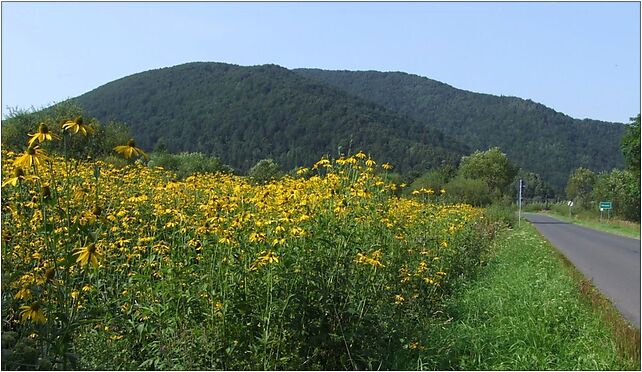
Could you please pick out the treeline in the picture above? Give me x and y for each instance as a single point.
(100, 144)
(488, 177)
(619, 186)
(480, 179)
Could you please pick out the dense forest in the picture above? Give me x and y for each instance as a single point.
(245, 114)
(535, 137)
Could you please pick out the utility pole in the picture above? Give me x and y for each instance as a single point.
(519, 203)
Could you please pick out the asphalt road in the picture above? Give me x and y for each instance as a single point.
(610, 261)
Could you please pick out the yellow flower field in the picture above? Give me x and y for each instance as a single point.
(131, 268)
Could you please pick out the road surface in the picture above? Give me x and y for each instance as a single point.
(610, 261)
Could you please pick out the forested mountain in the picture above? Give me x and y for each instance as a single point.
(244, 114)
(534, 136)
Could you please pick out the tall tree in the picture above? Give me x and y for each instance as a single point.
(630, 145)
(580, 185)
(491, 166)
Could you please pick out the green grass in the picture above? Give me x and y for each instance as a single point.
(528, 310)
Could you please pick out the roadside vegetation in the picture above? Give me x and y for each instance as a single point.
(128, 267)
(529, 311)
(619, 186)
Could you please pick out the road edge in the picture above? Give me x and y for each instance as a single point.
(625, 334)
(576, 223)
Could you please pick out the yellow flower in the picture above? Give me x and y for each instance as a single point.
(42, 135)
(33, 312)
(372, 261)
(48, 277)
(87, 254)
(18, 176)
(225, 240)
(266, 258)
(77, 125)
(33, 156)
(386, 166)
(130, 149)
(370, 163)
(399, 299)
(257, 237)
(322, 163)
(269, 257)
(23, 293)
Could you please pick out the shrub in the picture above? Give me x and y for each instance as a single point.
(501, 213)
(264, 171)
(472, 191)
(188, 163)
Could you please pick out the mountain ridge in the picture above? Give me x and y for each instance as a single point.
(267, 110)
(426, 122)
(523, 129)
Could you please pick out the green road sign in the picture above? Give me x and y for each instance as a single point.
(606, 205)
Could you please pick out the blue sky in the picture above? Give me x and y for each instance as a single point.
(582, 59)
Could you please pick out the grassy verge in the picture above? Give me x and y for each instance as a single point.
(613, 226)
(528, 311)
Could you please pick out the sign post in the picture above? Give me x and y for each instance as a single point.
(606, 206)
(570, 205)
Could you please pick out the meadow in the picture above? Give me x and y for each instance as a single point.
(129, 267)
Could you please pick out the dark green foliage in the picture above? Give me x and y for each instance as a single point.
(502, 213)
(187, 163)
(244, 114)
(579, 186)
(491, 166)
(630, 145)
(535, 137)
(481, 178)
(20, 123)
(536, 190)
(622, 188)
(469, 190)
(265, 170)
(435, 179)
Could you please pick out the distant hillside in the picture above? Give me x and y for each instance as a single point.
(244, 114)
(534, 136)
